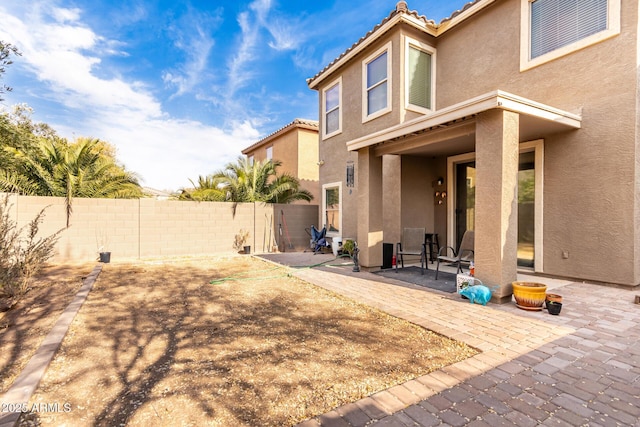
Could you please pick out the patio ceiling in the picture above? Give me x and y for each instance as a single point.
(452, 130)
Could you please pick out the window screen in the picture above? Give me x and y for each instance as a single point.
(557, 23)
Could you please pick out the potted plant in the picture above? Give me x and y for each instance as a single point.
(529, 295)
(239, 241)
(554, 307)
(104, 256)
(348, 247)
(552, 297)
(102, 241)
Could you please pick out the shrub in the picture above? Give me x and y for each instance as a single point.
(22, 253)
(240, 239)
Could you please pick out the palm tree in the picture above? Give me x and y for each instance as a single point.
(244, 181)
(206, 190)
(81, 169)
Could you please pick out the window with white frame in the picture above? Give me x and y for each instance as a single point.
(270, 152)
(332, 109)
(250, 159)
(554, 28)
(376, 76)
(332, 208)
(420, 76)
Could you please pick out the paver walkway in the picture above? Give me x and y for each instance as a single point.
(579, 368)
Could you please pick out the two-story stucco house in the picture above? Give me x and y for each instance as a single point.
(517, 119)
(296, 147)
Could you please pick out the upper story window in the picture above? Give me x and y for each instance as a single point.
(270, 152)
(554, 28)
(332, 109)
(376, 76)
(250, 159)
(420, 76)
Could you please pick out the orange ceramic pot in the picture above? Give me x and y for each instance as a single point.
(553, 297)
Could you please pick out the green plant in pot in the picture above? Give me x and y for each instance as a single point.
(349, 247)
(554, 307)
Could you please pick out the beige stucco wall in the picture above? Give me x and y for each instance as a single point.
(333, 150)
(308, 167)
(308, 155)
(591, 175)
(417, 193)
(152, 228)
(588, 173)
(297, 149)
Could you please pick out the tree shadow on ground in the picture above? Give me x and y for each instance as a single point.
(157, 345)
(26, 324)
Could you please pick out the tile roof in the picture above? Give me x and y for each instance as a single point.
(296, 123)
(401, 9)
(459, 11)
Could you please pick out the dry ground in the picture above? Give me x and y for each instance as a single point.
(23, 328)
(160, 344)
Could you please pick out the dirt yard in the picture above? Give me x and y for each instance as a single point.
(219, 342)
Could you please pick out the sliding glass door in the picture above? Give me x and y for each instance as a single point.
(462, 188)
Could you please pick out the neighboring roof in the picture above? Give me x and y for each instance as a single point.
(155, 193)
(401, 14)
(297, 123)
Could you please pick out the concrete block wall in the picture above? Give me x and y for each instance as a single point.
(147, 228)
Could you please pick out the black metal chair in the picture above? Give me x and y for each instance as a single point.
(464, 254)
(413, 243)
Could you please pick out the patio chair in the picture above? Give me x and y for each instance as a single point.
(464, 254)
(413, 243)
(318, 239)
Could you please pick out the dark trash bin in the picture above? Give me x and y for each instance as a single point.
(387, 255)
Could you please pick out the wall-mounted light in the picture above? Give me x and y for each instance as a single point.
(440, 181)
(321, 162)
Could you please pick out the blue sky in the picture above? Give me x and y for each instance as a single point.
(180, 88)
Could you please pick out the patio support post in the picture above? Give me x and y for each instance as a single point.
(391, 198)
(369, 208)
(496, 216)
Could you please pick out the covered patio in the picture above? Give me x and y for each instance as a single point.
(491, 129)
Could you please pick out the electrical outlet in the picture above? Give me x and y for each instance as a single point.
(565, 254)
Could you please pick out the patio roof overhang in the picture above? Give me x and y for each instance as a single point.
(457, 124)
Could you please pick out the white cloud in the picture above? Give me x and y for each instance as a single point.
(64, 15)
(167, 153)
(285, 32)
(192, 36)
(64, 54)
(65, 57)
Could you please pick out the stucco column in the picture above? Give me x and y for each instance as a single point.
(369, 208)
(496, 222)
(391, 200)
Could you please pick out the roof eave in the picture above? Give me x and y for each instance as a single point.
(311, 125)
(474, 7)
(428, 27)
(314, 82)
(492, 100)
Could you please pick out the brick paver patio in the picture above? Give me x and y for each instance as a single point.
(579, 368)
